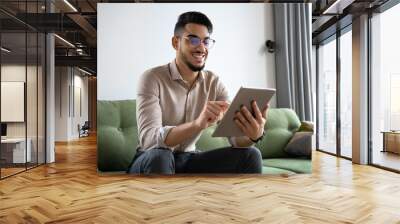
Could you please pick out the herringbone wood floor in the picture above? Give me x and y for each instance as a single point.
(71, 191)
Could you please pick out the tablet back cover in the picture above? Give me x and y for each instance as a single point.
(227, 127)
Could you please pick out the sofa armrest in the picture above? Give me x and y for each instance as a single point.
(306, 126)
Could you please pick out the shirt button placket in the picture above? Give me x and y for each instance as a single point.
(187, 107)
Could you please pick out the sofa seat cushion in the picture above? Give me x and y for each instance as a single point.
(117, 135)
(275, 171)
(293, 164)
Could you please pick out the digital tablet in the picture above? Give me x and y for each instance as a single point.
(227, 126)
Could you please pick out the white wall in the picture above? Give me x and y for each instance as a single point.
(79, 117)
(61, 103)
(135, 37)
(67, 116)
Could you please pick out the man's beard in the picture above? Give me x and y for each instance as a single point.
(191, 66)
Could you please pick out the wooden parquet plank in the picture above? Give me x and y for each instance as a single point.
(71, 191)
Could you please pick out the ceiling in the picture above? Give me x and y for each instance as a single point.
(76, 22)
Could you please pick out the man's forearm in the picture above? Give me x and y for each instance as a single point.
(243, 141)
(180, 133)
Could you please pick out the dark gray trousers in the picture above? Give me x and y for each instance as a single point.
(223, 160)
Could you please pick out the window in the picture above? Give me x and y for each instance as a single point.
(346, 94)
(327, 97)
(385, 85)
(333, 137)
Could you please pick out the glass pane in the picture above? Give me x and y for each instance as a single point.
(13, 86)
(23, 89)
(41, 98)
(346, 94)
(386, 89)
(31, 101)
(327, 97)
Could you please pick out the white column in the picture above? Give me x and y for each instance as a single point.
(360, 90)
(50, 100)
(50, 92)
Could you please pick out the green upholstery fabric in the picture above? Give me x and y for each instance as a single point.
(206, 142)
(117, 139)
(279, 129)
(117, 135)
(275, 171)
(297, 165)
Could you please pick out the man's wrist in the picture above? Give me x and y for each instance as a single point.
(196, 126)
(258, 139)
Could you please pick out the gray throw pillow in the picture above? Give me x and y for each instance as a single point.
(300, 144)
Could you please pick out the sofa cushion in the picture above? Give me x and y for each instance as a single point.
(306, 126)
(279, 129)
(117, 135)
(275, 171)
(300, 144)
(298, 165)
(206, 142)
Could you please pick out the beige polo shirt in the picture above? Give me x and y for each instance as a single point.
(164, 100)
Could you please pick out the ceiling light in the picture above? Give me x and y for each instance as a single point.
(331, 7)
(337, 7)
(5, 50)
(65, 41)
(84, 71)
(70, 5)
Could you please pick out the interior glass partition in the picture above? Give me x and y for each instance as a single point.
(22, 77)
(13, 91)
(41, 97)
(31, 101)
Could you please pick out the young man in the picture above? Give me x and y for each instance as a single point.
(175, 102)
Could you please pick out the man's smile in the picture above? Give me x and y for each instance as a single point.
(199, 57)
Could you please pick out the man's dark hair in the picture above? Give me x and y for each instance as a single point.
(192, 17)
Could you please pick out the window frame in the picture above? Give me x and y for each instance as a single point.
(334, 37)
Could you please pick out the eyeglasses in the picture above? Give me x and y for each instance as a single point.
(196, 41)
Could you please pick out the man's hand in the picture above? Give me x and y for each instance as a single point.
(251, 126)
(212, 112)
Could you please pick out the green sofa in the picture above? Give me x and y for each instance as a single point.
(117, 138)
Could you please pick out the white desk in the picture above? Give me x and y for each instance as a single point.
(18, 147)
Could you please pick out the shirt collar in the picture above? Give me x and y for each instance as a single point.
(175, 75)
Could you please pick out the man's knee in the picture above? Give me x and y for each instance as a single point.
(160, 161)
(254, 153)
(253, 160)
